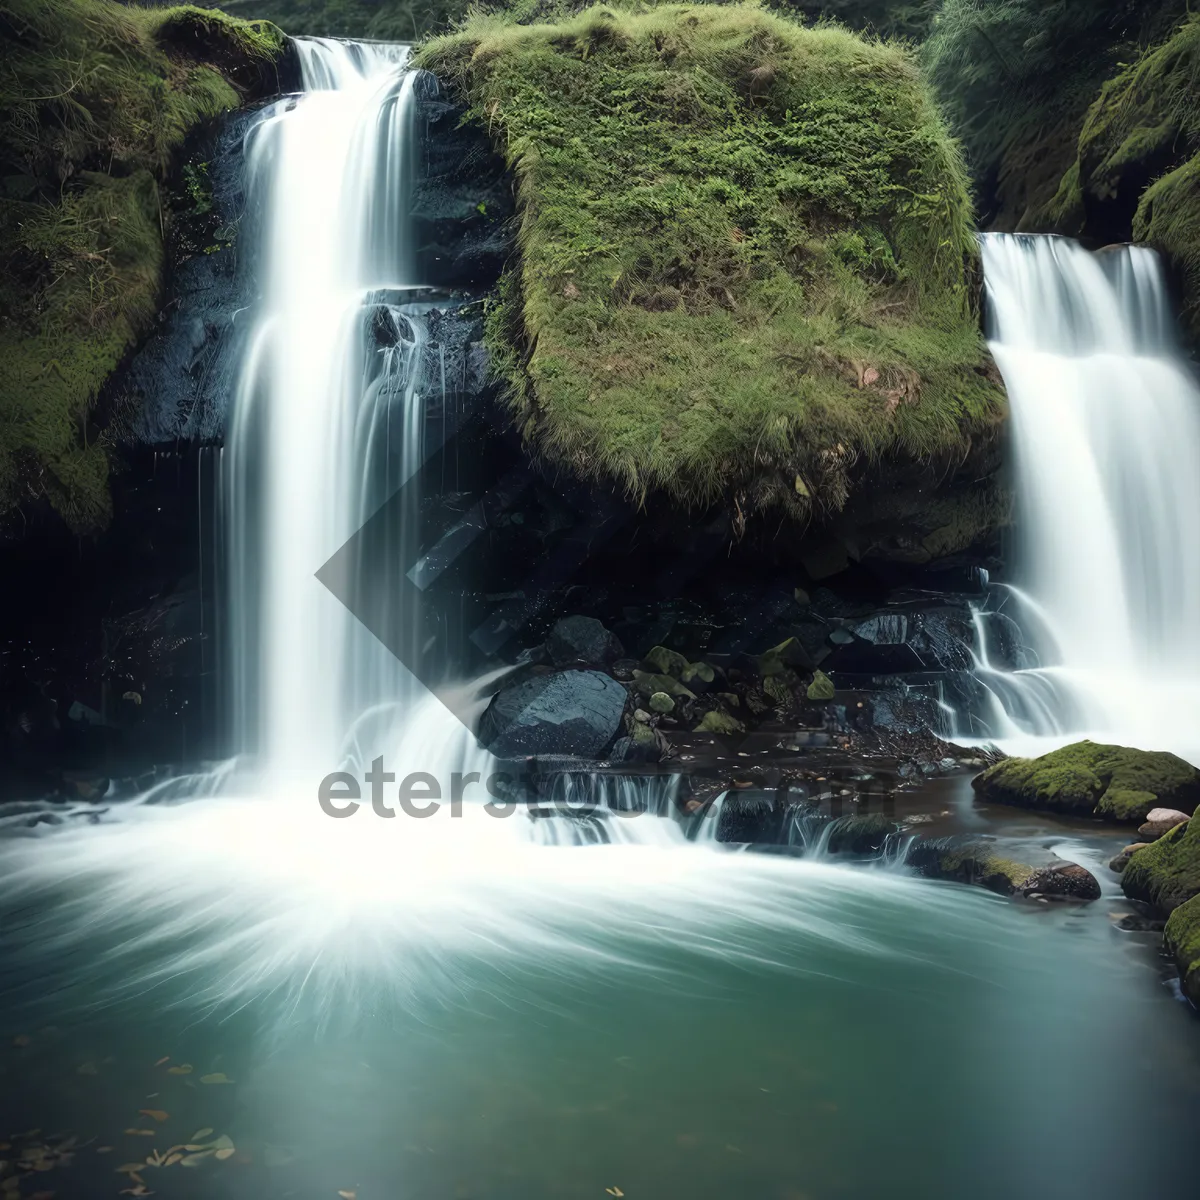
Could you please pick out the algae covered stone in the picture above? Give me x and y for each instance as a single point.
(1182, 940)
(1166, 873)
(821, 687)
(746, 253)
(1092, 779)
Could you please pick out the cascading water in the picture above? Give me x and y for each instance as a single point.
(1106, 430)
(242, 885)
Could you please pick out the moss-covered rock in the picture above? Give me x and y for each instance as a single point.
(1182, 940)
(1091, 779)
(95, 99)
(1136, 171)
(746, 253)
(976, 861)
(719, 722)
(1166, 873)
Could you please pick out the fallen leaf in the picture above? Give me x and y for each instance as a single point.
(217, 1077)
(165, 1058)
(172, 1159)
(140, 1190)
(182, 1069)
(129, 1168)
(141, 1132)
(103, 1149)
(226, 1152)
(224, 1142)
(348, 1195)
(201, 1133)
(155, 1114)
(614, 1191)
(194, 1160)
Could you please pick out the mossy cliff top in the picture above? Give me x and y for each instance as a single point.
(1137, 168)
(746, 253)
(1092, 779)
(95, 98)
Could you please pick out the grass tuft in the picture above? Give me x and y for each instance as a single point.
(745, 252)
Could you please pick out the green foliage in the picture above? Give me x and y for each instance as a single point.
(745, 249)
(1137, 170)
(1092, 779)
(909, 19)
(95, 99)
(387, 20)
(1017, 76)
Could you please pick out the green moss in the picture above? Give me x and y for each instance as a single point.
(1092, 779)
(1017, 77)
(821, 687)
(1182, 938)
(1168, 217)
(95, 98)
(745, 249)
(1136, 172)
(720, 723)
(1167, 872)
(973, 862)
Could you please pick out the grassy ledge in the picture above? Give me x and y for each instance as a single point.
(95, 98)
(746, 253)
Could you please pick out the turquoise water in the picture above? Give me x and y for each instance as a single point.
(901, 1038)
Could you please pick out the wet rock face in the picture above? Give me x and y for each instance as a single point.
(582, 639)
(566, 713)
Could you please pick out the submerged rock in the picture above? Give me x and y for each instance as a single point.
(570, 712)
(1120, 861)
(1115, 783)
(976, 861)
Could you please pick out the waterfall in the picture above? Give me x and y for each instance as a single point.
(1105, 422)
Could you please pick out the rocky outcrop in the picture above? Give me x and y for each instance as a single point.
(1114, 783)
(1166, 873)
(1182, 940)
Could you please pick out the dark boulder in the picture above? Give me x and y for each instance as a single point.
(582, 640)
(570, 712)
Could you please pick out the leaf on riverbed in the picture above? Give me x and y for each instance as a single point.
(194, 1160)
(140, 1132)
(155, 1114)
(216, 1077)
(614, 1191)
(224, 1153)
(103, 1149)
(165, 1058)
(182, 1069)
(201, 1134)
(140, 1190)
(172, 1159)
(348, 1195)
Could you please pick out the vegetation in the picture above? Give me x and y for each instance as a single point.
(745, 252)
(94, 101)
(1092, 779)
(1137, 164)
(1182, 937)
(1016, 78)
(1166, 873)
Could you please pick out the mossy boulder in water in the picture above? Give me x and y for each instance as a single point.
(1166, 873)
(747, 256)
(1091, 779)
(977, 861)
(1182, 939)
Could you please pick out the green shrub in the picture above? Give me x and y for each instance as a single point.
(745, 250)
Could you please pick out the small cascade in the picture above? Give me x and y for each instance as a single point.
(1106, 429)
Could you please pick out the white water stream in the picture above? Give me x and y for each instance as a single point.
(1106, 433)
